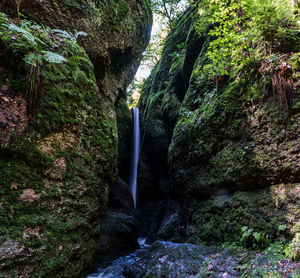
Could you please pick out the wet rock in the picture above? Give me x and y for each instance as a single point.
(167, 259)
(131, 265)
(171, 228)
(119, 233)
(125, 127)
(120, 198)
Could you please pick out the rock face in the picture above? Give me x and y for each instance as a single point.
(59, 139)
(221, 135)
(125, 127)
(160, 102)
(112, 29)
(119, 226)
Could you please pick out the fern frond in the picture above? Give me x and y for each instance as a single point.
(52, 57)
(80, 33)
(64, 34)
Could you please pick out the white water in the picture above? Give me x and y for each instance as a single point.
(135, 152)
(142, 242)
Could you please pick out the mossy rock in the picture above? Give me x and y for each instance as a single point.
(227, 132)
(167, 259)
(238, 139)
(272, 213)
(56, 168)
(112, 28)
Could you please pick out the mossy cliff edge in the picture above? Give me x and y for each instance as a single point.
(226, 139)
(59, 136)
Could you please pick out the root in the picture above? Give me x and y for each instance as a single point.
(34, 82)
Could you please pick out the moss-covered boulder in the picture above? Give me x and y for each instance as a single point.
(253, 219)
(165, 88)
(56, 170)
(239, 138)
(159, 104)
(58, 152)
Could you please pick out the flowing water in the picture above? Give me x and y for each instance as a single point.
(132, 264)
(135, 152)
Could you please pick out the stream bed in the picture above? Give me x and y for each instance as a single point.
(182, 260)
(131, 265)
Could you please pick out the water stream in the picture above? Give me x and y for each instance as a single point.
(135, 152)
(131, 264)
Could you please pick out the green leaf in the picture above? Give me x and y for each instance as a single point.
(256, 236)
(33, 59)
(52, 57)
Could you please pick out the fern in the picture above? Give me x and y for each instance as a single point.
(3, 18)
(68, 35)
(80, 33)
(33, 59)
(64, 34)
(26, 35)
(52, 57)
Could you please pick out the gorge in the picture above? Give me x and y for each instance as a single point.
(206, 168)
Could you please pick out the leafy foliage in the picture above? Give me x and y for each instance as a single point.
(33, 42)
(165, 14)
(252, 239)
(68, 35)
(245, 30)
(152, 54)
(134, 91)
(24, 36)
(53, 57)
(292, 250)
(28, 36)
(169, 10)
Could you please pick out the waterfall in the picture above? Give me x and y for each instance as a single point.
(135, 152)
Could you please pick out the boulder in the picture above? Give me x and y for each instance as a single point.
(119, 233)
(120, 198)
(271, 213)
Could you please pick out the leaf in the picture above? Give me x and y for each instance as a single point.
(26, 34)
(33, 59)
(52, 57)
(64, 34)
(80, 33)
(68, 35)
(256, 236)
(244, 228)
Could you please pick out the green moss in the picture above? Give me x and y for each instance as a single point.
(67, 156)
(221, 218)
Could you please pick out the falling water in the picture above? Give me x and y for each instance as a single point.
(135, 153)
